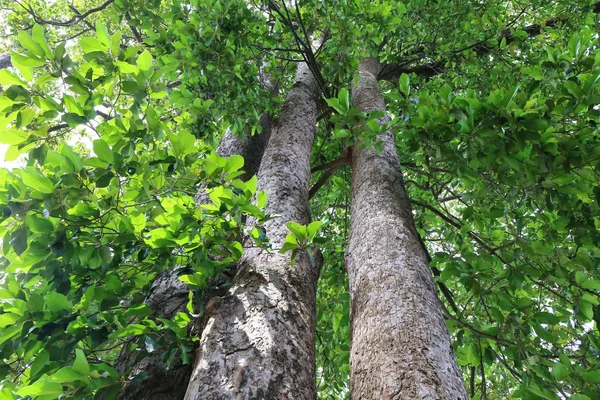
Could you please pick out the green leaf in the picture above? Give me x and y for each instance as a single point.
(586, 311)
(298, 230)
(115, 42)
(27, 42)
(234, 163)
(103, 151)
(579, 397)
(129, 330)
(56, 302)
(9, 78)
(183, 143)
(313, 228)
(90, 45)
(65, 374)
(8, 319)
(404, 84)
(197, 279)
(144, 61)
(39, 37)
(290, 244)
(560, 371)
(335, 104)
(39, 363)
(41, 387)
(34, 179)
(18, 240)
(127, 68)
(534, 72)
(26, 60)
(591, 376)
(80, 365)
(546, 318)
(103, 35)
(39, 224)
(344, 99)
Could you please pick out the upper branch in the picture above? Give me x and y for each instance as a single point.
(391, 72)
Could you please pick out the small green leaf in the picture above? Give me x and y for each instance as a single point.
(80, 365)
(8, 319)
(534, 72)
(66, 374)
(40, 362)
(234, 163)
(115, 42)
(404, 84)
(144, 61)
(586, 311)
(290, 244)
(344, 99)
(560, 371)
(298, 230)
(56, 302)
(102, 34)
(27, 42)
(591, 376)
(127, 68)
(25, 60)
(546, 318)
(18, 240)
(90, 45)
(103, 151)
(8, 78)
(41, 387)
(579, 396)
(335, 104)
(37, 34)
(313, 228)
(129, 330)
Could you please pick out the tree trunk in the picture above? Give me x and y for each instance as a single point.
(168, 295)
(400, 342)
(259, 340)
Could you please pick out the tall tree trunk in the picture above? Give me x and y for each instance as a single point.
(168, 295)
(400, 342)
(259, 341)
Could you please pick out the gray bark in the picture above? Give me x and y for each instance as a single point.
(5, 60)
(259, 340)
(401, 346)
(169, 296)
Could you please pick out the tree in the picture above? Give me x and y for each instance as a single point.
(117, 107)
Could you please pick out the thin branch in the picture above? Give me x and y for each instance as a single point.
(74, 20)
(476, 331)
(391, 72)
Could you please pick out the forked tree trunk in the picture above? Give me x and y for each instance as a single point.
(169, 296)
(400, 342)
(259, 341)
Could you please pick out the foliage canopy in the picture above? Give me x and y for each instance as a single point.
(116, 108)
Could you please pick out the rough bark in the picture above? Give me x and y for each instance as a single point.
(400, 342)
(259, 340)
(169, 296)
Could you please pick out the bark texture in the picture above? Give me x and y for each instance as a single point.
(169, 296)
(401, 346)
(259, 340)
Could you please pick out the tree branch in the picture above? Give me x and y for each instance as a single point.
(75, 19)
(391, 72)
